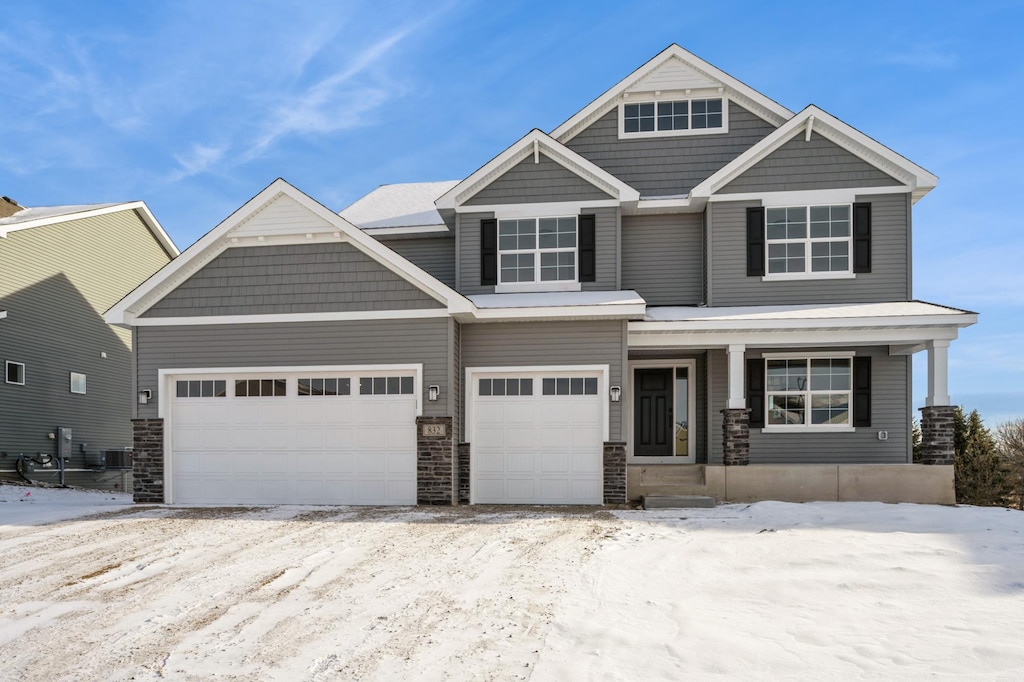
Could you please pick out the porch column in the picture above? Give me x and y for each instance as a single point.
(937, 415)
(735, 416)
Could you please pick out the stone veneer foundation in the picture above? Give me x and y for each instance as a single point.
(148, 461)
(736, 437)
(435, 461)
(615, 473)
(937, 434)
(463, 451)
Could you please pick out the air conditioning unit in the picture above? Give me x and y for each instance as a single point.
(119, 459)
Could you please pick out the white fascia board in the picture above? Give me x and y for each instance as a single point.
(422, 230)
(764, 106)
(415, 313)
(127, 310)
(916, 178)
(590, 312)
(809, 196)
(140, 206)
(541, 210)
(796, 338)
(951, 320)
(557, 152)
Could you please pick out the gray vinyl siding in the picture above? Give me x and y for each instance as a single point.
(513, 344)
(365, 342)
(293, 278)
(607, 245)
(663, 257)
(700, 413)
(436, 255)
(887, 281)
(56, 281)
(665, 166)
(817, 164)
(529, 183)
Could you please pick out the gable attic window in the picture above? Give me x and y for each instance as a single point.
(674, 116)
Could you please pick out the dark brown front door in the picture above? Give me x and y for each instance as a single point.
(652, 412)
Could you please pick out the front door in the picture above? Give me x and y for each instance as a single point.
(652, 413)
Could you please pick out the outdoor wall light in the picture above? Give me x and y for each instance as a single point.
(145, 396)
(615, 393)
(432, 392)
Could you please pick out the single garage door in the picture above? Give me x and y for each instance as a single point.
(313, 437)
(537, 437)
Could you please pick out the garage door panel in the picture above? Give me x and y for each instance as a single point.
(521, 437)
(292, 449)
(488, 462)
(519, 462)
(521, 489)
(555, 462)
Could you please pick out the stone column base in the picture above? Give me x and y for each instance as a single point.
(148, 461)
(937, 434)
(435, 461)
(736, 437)
(615, 473)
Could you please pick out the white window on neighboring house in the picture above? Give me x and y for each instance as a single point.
(15, 373)
(77, 381)
(537, 250)
(810, 391)
(811, 240)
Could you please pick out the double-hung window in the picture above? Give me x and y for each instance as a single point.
(537, 250)
(810, 240)
(811, 391)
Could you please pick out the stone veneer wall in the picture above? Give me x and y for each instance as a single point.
(615, 473)
(463, 451)
(736, 437)
(937, 434)
(148, 461)
(435, 462)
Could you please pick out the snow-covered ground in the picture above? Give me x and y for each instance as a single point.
(820, 591)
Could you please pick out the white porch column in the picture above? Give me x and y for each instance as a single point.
(737, 389)
(938, 373)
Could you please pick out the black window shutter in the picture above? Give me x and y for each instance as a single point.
(588, 248)
(862, 391)
(755, 241)
(755, 392)
(862, 237)
(488, 251)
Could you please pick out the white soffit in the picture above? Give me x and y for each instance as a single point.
(534, 143)
(674, 69)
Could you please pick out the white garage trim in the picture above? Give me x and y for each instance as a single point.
(602, 386)
(167, 377)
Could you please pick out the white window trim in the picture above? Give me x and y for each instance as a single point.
(691, 366)
(671, 97)
(807, 242)
(7, 366)
(537, 284)
(71, 383)
(808, 428)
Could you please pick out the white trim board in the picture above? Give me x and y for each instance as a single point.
(627, 416)
(416, 313)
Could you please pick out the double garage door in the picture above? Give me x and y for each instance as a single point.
(311, 437)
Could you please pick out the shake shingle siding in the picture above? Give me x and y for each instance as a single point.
(662, 258)
(361, 342)
(436, 255)
(295, 278)
(887, 281)
(817, 164)
(528, 182)
(664, 166)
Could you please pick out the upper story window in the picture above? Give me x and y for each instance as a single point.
(808, 239)
(537, 250)
(673, 117)
(15, 372)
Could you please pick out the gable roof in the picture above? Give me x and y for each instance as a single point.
(41, 216)
(403, 205)
(238, 229)
(536, 142)
(813, 119)
(702, 73)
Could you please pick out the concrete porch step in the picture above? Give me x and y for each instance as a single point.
(677, 501)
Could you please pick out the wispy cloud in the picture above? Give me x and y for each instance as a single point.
(924, 56)
(197, 160)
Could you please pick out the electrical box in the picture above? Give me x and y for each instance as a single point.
(118, 459)
(64, 442)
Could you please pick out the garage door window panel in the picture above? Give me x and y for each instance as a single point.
(324, 386)
(205, 388)
(386, 385)
(261, 388)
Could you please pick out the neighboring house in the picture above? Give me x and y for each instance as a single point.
(684, 288)
(68, 376)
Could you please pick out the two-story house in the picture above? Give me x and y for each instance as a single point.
(684, 288)
(67, 392)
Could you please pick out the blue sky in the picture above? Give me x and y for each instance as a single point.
(194, 107)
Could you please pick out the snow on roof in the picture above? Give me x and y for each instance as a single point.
(43, 212)
(557, 299)
(800, 312)
(409, 204)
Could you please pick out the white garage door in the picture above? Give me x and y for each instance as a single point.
(315, 437)
(537, 437)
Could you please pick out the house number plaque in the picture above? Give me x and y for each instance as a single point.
(438, 430)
